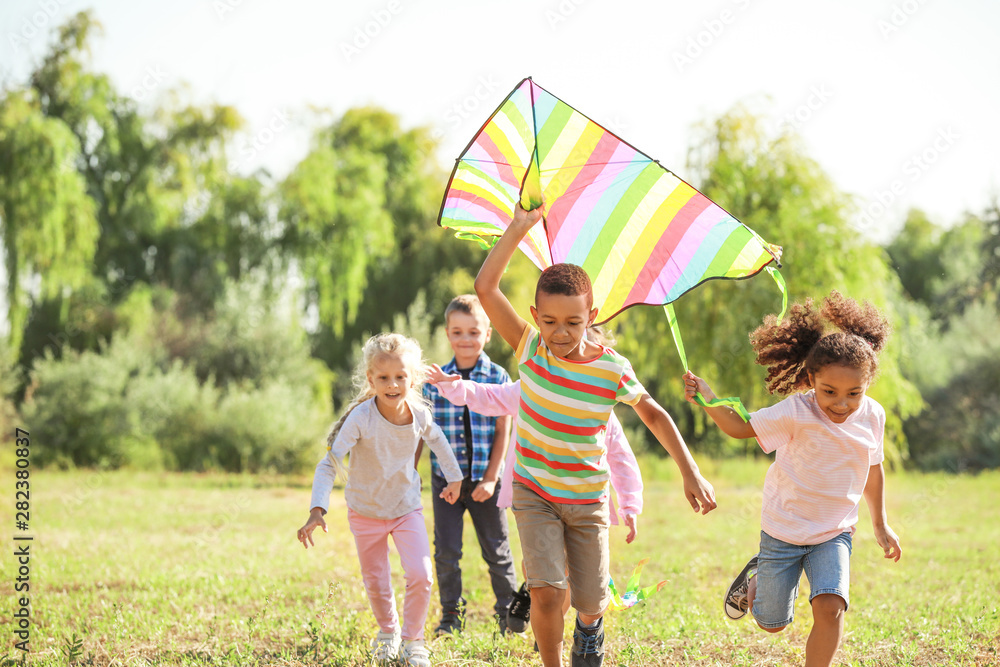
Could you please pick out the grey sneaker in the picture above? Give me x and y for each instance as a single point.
(588, 645)
(519, 611)
(415, 654)
(737, 603)
(385, 648)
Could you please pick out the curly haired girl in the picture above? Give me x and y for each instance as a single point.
(827, 438)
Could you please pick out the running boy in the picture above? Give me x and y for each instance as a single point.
(479, 443)
(569, 385)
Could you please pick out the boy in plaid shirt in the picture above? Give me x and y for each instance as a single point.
(479, 443)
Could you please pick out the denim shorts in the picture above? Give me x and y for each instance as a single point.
(780, 566)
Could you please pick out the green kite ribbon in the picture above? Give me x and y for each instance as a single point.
(779, 280)
(733, 401)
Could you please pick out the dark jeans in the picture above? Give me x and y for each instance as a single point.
(490, 523)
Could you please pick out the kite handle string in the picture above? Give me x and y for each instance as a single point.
(733, 401)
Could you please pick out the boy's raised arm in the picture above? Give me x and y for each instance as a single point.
(502, 315)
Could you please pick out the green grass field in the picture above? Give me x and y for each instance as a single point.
(172, 569)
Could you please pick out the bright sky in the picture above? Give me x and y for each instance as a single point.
(896, 99)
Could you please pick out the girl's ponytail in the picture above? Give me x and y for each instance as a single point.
(783, 347)
(337, 425)
(798, 346)
(862, 320)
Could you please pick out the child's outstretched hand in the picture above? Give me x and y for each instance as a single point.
(889, 541)
(435, 375)
(306, 531)
(700, 493)
(695, 385)
(451, 492)
(630, 521)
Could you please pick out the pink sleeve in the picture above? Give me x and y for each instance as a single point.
(775, 425)
(626, 479)
(491, 400)
(506, 496)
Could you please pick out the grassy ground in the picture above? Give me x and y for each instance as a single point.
(147, 569)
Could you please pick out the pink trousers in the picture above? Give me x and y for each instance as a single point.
(409, 534)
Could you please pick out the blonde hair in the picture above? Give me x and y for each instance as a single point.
(385, 344)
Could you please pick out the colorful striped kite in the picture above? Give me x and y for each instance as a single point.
(642, 234)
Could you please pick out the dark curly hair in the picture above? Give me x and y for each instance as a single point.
(565, 279)
(801, 344)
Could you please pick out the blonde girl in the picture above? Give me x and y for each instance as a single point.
(381, 429)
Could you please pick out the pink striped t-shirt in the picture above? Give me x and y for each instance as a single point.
(813, 488)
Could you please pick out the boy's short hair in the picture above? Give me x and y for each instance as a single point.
(468, 304)
(565, 279)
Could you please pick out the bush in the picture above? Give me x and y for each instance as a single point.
(10, 381)
(151, 399)
(960, 429)
(77, 411)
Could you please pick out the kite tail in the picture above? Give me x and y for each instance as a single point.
(633, 595)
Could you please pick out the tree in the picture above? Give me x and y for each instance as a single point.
(47, 221)
(915, 255)
(950, 344)
(358, 216)
(141, 198)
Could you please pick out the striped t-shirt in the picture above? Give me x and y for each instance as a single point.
(563, 413)
(813, 488)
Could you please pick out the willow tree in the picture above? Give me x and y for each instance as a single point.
(154, 174)
(47, 221)
(358, 218)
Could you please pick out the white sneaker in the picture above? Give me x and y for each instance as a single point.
(385, 648)
(737, 602)
(415, 654)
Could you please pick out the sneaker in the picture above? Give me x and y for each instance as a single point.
(385, 647)
(737, 603)
(519, 611)
(588, 645)
(451, 623)
(415, 654)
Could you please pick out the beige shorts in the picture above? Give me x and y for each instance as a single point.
(557, 538)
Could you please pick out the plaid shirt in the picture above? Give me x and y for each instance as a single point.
(450, 418)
